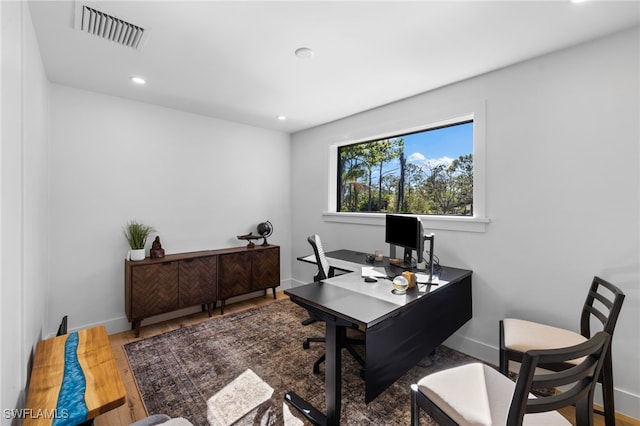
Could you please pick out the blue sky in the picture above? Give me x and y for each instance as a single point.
(436, 146)
(452, 142)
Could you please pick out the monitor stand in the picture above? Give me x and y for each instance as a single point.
(408, 260)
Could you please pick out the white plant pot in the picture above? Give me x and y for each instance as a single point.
(137, 254)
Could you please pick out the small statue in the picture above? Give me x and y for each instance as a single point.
(156, 251)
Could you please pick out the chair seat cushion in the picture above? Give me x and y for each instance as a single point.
(478, 395)
(521, 336)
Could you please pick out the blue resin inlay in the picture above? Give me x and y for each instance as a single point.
(71, 409)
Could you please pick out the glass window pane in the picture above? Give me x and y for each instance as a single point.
(429, 172)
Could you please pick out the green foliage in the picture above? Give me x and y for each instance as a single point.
(357, 164)
(364, 186)
(136, 234)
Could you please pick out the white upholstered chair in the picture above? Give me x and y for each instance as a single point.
(477, 394)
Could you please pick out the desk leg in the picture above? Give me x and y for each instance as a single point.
(333, 372)
(332, 382)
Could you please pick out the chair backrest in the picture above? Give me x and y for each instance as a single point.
(321, 260)
(607, 309)
(62, 329)
(580, 378)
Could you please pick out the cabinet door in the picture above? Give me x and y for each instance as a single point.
(154, 289)
(234, 274)
(265, 268)
(198, 281)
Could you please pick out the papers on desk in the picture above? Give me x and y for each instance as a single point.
(423, 278)
(370, 271)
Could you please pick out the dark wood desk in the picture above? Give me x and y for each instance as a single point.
(400, 329)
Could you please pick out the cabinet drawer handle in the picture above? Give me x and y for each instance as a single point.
(167, 263)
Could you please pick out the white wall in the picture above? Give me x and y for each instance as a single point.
(563, 194)
(24, 92)
(199, 181)
(561, 127)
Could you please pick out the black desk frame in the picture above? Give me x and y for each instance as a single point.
(395, 341)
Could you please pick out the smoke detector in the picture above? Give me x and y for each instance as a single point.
(98, 23)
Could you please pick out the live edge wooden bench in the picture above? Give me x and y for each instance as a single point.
(74, 379)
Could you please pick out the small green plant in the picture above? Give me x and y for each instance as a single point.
(137, 234)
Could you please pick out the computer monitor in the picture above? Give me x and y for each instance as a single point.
(406, 232)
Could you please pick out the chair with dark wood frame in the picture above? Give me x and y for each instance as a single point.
(445, 408)
(606, 310)
(326, 271)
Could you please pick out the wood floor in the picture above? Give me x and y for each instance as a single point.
(134, 409)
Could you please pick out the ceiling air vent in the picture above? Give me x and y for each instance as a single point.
(108, 27)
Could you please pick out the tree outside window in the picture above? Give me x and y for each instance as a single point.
(429, 172)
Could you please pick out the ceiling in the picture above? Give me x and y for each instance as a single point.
(235, 60)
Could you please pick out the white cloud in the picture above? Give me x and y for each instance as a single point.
(420, 160)
(416, 157)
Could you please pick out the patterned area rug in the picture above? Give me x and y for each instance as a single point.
(235, 369)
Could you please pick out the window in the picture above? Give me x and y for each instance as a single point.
(425, 172)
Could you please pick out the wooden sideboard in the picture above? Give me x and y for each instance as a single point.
(176, 281)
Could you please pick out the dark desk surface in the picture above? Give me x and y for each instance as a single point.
(350, 260)
(351, 298)
(400, 329)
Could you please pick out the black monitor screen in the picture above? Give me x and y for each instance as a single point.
(403, 231)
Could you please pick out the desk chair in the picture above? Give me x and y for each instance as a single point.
(518, 336)
(326, 271)
(62, 328)
(478, 394)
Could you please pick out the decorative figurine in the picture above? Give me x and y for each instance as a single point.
(156, 251)
(249, 237)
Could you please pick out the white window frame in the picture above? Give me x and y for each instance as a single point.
(477, 223)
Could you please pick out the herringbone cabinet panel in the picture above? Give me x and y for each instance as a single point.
(234, 276)
(265, 269)
(159, 280)
(198, 279)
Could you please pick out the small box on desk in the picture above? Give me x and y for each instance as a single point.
(410, 277)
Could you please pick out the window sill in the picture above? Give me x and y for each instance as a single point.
(443, 223)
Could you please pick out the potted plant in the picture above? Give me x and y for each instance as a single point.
(137, 234)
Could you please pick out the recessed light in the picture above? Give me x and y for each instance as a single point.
(138, 80)
(281, 117)
(304, 53)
